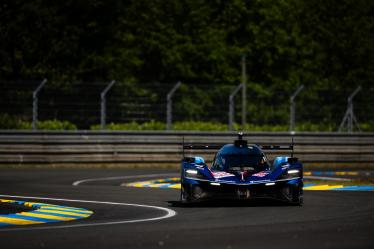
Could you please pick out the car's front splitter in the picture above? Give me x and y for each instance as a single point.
(200, 190)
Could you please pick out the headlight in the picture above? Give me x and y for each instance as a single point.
(291, 173)
(193, 173)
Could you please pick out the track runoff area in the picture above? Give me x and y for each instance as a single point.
(91, 207)
(40, 213)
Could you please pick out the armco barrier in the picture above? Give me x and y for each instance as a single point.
(23, 147)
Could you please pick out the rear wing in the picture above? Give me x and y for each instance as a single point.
(204, 146)
(240, 141)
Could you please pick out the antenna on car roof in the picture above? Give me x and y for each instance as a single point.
(240, 142)
(240, 135)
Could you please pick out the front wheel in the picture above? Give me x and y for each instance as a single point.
(184, 195)
(298, 196)
(294, 195)
(190, 194)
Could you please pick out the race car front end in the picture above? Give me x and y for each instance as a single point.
(283, 182)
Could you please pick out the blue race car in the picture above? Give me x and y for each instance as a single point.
(241, 171)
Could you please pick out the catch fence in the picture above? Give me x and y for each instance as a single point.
(81, 104)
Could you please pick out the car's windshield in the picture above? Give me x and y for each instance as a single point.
(225, 162)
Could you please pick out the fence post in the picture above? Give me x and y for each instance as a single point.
(232, 106)
(169, 103)
(350, 117)
(244, 92)
(103, 105)
(293, 108)
(35, 104)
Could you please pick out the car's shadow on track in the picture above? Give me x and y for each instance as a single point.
(231, 203)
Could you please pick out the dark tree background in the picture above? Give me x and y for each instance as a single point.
(323, 44)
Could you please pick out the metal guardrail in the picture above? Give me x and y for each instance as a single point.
(165, 147)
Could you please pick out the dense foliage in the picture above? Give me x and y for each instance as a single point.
(323, 44)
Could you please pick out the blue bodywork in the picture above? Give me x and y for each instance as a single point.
(283, 179)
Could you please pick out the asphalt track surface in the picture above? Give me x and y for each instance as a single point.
(329, 219)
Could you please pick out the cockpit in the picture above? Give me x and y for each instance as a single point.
(232, 158)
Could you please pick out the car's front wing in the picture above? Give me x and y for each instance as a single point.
(205, 189)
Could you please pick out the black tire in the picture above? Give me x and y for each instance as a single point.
(293, 195)
(184, 198)
(187, 194)
(297, 196)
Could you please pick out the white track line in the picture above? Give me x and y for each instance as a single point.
(76, 183)
(169, 213)
(327, 178)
